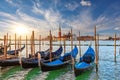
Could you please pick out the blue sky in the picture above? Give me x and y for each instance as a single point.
(43, 15)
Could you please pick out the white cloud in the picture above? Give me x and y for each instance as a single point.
(13, 3)
(7, 15)
(85, 3)
(116, 28)
(51, 16)
(72, 6)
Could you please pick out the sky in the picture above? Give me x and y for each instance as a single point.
(23, 16)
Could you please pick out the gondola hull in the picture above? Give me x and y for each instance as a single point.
(12, 52)
(86, 62)
(78, 71)
(9, 62)
(29, 63)
(32, 63)
(45, 67)
(62, 62)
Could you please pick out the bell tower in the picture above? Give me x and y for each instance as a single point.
(59, 32)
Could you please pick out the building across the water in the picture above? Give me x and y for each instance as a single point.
(62, 37)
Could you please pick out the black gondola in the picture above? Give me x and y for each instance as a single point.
(33, 62)
(12, 52)
(62, 62)
(11, 61)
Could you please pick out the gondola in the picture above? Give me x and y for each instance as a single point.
(11, 61)
(2, 49)
(33, 62)
(12, 52)
(86, 62)
(62, 62)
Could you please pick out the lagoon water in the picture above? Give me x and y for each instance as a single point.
(108, 69)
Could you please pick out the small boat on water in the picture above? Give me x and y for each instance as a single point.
(86, 62)
(59, 63)
(12, 52)
(45, 56)
(2, 49)
(11, 61)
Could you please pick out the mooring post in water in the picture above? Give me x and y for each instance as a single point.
(119, 51)
(64, 45)
(7, 39)
(72, 66)
(59, 34)
(39, 42)
(79, 45)
(115, 48)
(71, 39)
(96, 49)
(32, 45)
(20, 52)
(98, 45)
(10, 42)
(39, 58)
(15, 44)
(26, 47)
(50, 46)
(20, 42)
(5, 47)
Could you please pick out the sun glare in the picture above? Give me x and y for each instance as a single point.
(21, 30)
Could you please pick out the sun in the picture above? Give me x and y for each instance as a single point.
(21, 30)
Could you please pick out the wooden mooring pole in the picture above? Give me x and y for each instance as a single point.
(39, 58)
(50, 46)
(5, 47)
(7, 40)
(32, 45)
(72, 67)
(115, 48)
(15, 45)
(20, 52)
(96, 50)
(119, 51)
(20, 41)
(71, 39)
(26, 47)
(10, 42)
(98, 45)
(79, 45)
(60, 34)
(64, 46)
(39, 42)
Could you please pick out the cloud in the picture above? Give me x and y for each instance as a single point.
(72, 6)
(13, 3)
(51, 17)
(85, 3)
(116, 28)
